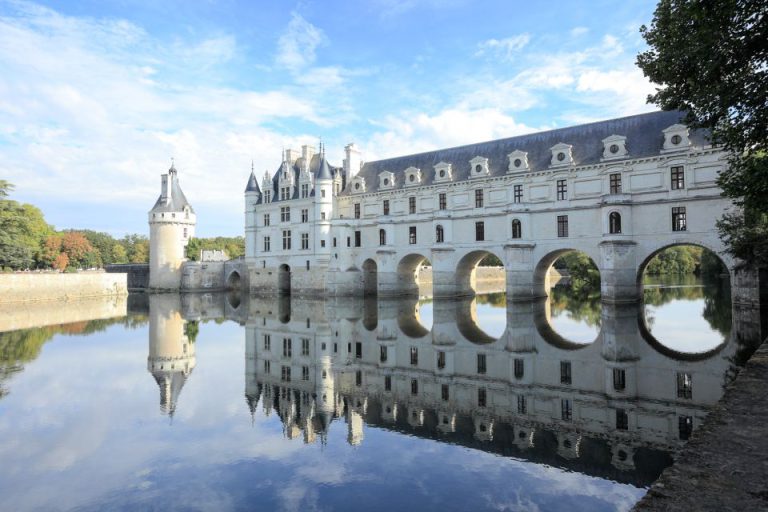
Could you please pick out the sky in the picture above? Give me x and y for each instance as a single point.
(97, 97)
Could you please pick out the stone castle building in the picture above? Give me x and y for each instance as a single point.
(619, 190)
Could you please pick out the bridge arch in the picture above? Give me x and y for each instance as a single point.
(234, 281)
(370, 277)
(646, 257)
(284, 279)
(541, 273)
(466, 270)
(408, 270)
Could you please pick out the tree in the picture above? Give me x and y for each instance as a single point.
(22, 231)
(119, 254)
(711, 61)
(78, 249)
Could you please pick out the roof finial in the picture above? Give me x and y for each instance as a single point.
(173, 166)
(251, 164)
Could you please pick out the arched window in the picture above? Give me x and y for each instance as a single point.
(517, 229)
(439, 234)
(382, 237)
(614, 222)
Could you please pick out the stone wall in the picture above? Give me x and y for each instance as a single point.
(32, 286)
(487, 280)
(24, 315)
(138, 274)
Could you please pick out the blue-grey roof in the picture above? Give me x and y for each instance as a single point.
(253, 183)
(318, 166)
(177, 200)
(324, 172)
(643, 132)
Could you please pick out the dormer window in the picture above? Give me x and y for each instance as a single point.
(562, 154)
(412, 177)
(614, 146)
(479, 167)
(518, 161)
(676, 138)
(358, 184)
(386, 180)
(443, 172)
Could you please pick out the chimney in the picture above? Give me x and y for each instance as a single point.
(291, 155)
(307, 152)
(165, 188)
(352, 162)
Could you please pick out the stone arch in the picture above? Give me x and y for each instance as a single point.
(408, 270)
(466, 271)
(234, 281)
(646, 258)
(541, 281)
(370, 277)
(284, 279)
(541, 320)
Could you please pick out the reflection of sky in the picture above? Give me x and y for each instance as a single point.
(82, 429)
(490, 318)
(577, 331)
(680, 325)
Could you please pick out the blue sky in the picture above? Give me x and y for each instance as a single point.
(96, 97)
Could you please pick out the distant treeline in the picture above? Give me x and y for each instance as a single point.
(27, 241)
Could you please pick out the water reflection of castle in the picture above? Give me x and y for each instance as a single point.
(617, 407)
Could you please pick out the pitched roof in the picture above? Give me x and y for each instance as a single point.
(176, 201)
(253, 183)
(643, 132)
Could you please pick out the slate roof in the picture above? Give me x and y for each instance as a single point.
(177, 200)
(318, 166)
(643, 132)
(253, 183)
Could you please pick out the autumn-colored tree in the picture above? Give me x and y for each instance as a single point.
(78, 249)
(61, 261)
(51, 250)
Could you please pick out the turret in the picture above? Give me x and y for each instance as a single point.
(171, 224)
(252, 198)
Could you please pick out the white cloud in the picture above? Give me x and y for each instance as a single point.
(579, 31)
(504, 49)
(298, 44)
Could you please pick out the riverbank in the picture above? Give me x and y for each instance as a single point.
(723, 466)
(53, 286)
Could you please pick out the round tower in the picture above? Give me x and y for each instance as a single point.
(171, 225)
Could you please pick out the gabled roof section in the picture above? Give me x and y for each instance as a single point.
(644, 134)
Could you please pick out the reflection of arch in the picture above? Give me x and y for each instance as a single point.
(234, 282)
(466, 270)
(467, 323)
(647, 259)
(233, 298)
(541, 273)
(369, 277)
(614, 223)
(284, 279)
(408, 273)
(409, 320)
(370, 313)
(548, 334)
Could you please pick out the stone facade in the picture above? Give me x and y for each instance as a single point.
(618, 190)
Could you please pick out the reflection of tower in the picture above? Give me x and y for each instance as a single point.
(171, 225)
(171, 351)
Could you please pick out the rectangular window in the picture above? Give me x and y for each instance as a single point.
(305, 373)
(267, 342)
(286, 240)
(562, 190)
(287, 347)
(481, 364)
(414, 387)
(562, 226)
(383, 354)
(322, 243)
(677, 174)
(387, 383)
(357, 210)
(322, 215)
(305, 240)
(358, 350)
(322, 192)
(481, 397)
(358, 238)
(684, 385)
(385, 207)
(479, 198)
(285, 214)
(684, 427)
(414, 356)
(519, 368)
(305, 190)
(565, 372)
(479, 231)
(440, 359)
(442, 201)
(304, 215)
(522, 404)
(412, 235)
(268, 196)
(411, 204)
(267, 367)
(678, 218)
(266, 219)
(622, 420)
(619, 379)
(566, 409)
(304, 346)
(285, 374)
(615, 183)
(334, 241)
(267, 244)
(444, 392)
(358, 378)
(518, 191)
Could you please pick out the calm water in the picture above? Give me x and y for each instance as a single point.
(216, 402)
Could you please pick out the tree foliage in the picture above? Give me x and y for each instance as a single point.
(711, 61)
(233, 246)
(22, 231)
